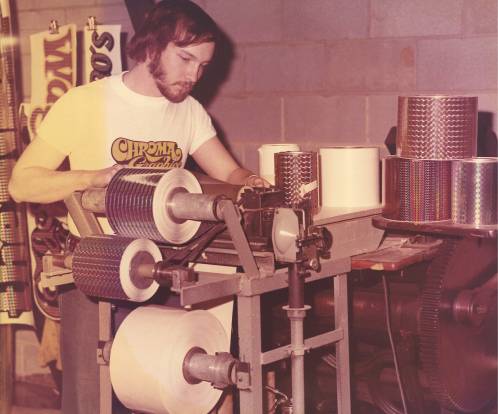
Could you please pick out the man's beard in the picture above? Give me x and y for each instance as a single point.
(181, 89)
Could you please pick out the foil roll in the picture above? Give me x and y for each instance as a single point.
(474, 187)
(136, 204)
(103, 265)
(417, 190)
(437, 127)
(296, 173)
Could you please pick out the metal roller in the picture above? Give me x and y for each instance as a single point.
(437, 127)
(138, 203)
(107, 267)
(473, 199)
(417, 190)
(296, 173)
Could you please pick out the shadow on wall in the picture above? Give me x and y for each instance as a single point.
(487, 141)
(217, 72)
(208, 86)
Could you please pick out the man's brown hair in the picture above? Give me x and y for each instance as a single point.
(179, 21)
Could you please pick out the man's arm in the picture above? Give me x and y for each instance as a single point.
(217, 162)
(35, 179)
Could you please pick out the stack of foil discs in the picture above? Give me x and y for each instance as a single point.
(432, 131)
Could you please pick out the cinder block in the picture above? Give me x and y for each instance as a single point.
(51, 4)
(247, 119)
(325, 19)
(39, 20)
(371, 65)
(325, 120)
(285, 68)
(480, 16)
(382, 116)
(104, 14)
(394, 18)
(457, 64)
(248, 21)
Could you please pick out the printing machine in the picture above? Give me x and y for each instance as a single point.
(350, 282)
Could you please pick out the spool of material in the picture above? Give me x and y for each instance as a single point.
(473, 199)
(147, 359)
(267, 159)
(350, 176)
(296, 173)
(136, 204)
(103, 265)
(437, 127)
(417, 190)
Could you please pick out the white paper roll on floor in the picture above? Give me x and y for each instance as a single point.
(266, 159)
(350, 176)
(147, 357)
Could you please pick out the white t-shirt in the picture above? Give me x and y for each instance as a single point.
(105, 123)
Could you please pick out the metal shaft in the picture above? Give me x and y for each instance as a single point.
(296, 317)
(296, 311)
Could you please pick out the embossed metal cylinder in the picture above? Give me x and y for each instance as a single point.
(296, 173)
(103, 266)
(437, 127)
(417, 190)
(474, 188)
(136, 204)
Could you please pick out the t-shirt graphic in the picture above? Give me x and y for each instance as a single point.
(160, 154)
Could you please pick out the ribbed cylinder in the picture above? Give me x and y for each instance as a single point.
(437, 127)
(417, 190)
(137, 204)
(103, 267)
(296, 173)
(474, 187)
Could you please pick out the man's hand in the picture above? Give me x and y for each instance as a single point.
(254, 180)
(101, 178)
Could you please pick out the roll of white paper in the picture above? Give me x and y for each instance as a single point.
(147, 357)
(350, 176)
(266, 159)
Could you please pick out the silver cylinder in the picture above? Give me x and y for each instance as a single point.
(108, 267)
(473, 198)
(437, 127)
(296, 173)
(417, 190)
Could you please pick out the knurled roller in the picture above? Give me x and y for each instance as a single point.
(417, 190)
(103, 267)
(437, 127)
(474, 199)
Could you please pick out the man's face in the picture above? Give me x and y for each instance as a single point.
(176, 69)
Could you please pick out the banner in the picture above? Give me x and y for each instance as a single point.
(101, 51)
(53, 72)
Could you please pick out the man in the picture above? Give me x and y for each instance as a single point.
(144, 117)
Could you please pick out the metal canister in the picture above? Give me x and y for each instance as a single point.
(417, 190)
(437, 127)
(296, 173)
(473, 199)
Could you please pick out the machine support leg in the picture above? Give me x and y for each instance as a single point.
(105, 334)
(296, 311)
(249, 314)
(296, 317)
(342, 346)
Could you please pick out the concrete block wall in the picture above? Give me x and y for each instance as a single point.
(323, 72)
